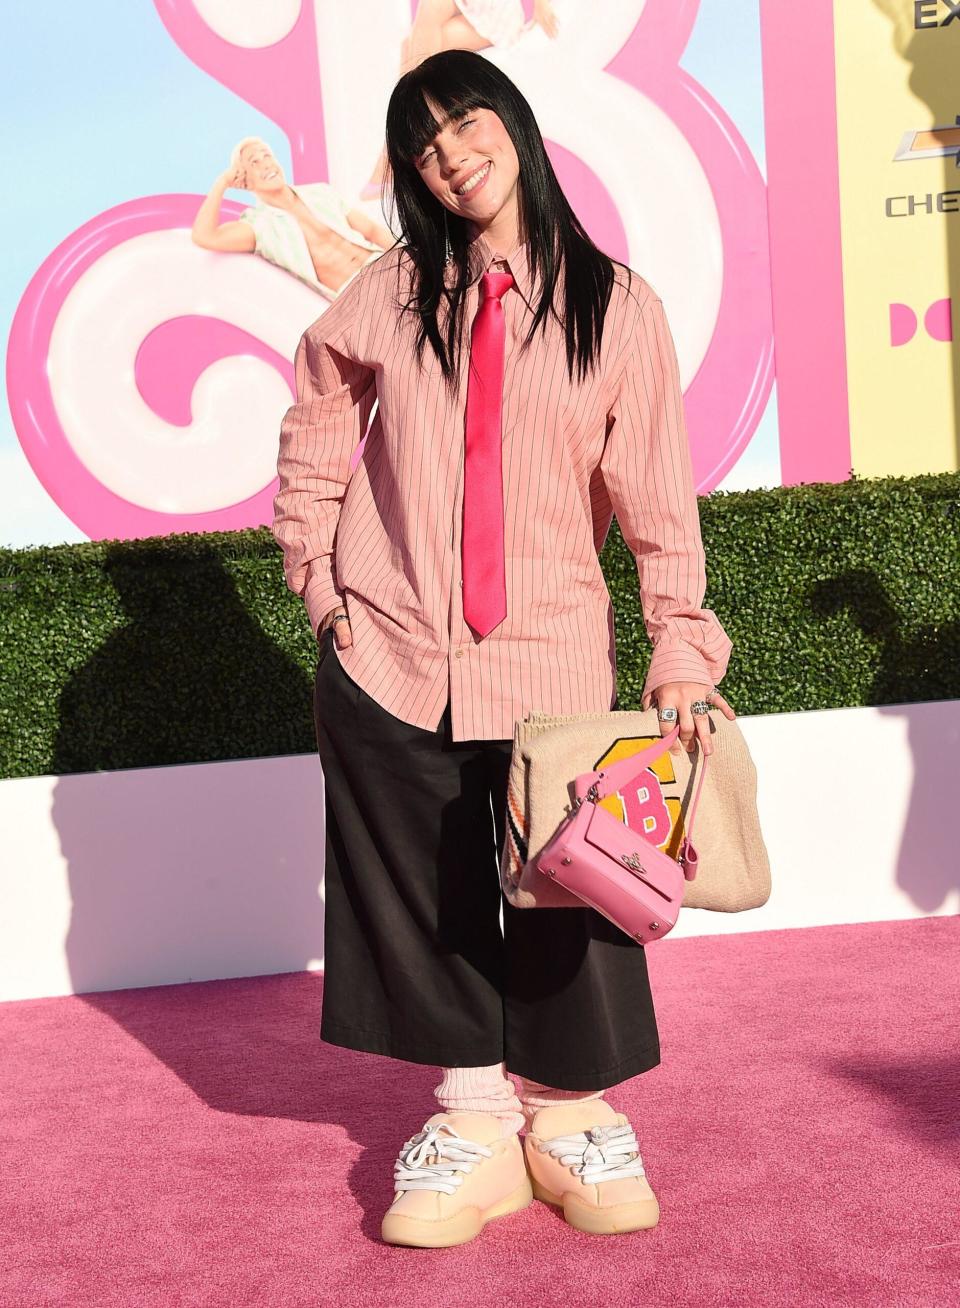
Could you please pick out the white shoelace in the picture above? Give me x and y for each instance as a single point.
(454, 1155)
(600, 1153)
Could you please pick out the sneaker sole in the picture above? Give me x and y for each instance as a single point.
(462, 1227)
(613, 1220)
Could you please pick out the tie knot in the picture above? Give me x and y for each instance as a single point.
(494, 284)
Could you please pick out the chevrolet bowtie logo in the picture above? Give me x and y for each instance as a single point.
(633, 861)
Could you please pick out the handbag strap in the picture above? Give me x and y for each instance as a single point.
(696, 796)
(620, 774)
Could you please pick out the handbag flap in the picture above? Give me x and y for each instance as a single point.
(628, 850)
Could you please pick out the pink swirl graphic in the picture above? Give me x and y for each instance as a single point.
(51, 408)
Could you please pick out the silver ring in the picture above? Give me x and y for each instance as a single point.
(699, 706)
(667, 714)
(341, 617)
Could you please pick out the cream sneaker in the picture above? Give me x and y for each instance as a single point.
(451, 1178)
(584, 1158)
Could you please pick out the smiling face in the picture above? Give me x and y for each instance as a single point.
(263, 172)
(475, 150)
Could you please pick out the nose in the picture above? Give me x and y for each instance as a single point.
(452, 164)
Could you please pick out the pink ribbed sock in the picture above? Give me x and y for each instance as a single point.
(533, 1096)
(491, 1090)
(481, 1090)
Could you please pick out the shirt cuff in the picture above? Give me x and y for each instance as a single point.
(672, 661)
(321, 594)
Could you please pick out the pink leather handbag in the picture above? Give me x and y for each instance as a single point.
(614, 869)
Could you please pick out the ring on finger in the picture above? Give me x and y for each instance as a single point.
(668, 714)
(699, 706)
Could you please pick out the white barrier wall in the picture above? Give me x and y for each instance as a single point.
(161, 875)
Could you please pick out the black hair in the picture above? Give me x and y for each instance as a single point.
(458, 81)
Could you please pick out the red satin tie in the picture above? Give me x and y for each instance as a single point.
(484, 574)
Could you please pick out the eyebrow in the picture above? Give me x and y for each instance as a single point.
(445, 122)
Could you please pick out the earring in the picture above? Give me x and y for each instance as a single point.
(448, 251)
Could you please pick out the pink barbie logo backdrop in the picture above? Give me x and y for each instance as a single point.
(147, 376)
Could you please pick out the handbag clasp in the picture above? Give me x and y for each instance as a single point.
(633, 862)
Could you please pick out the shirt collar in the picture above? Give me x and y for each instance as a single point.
(481, 255)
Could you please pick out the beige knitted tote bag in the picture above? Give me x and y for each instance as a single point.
(549, 752)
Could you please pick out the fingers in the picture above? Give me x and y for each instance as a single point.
(702, 721)
(695, 728)
(673, 697)
(665, 727)
(717, 701)
(341, 630)
(665, 699)
(687, 727)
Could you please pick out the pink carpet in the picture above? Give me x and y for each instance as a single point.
(197, 1144)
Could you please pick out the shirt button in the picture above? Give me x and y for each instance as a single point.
(458, 653)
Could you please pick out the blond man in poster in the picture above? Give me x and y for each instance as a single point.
(308, 230)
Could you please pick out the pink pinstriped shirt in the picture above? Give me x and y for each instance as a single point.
(385, 541)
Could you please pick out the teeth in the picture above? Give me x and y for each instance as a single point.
(474, 180)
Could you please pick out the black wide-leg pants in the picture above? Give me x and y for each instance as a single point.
(416, 966)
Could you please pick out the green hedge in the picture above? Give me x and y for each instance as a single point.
(187, 648)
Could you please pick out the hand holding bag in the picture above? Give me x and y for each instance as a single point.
(555, 757)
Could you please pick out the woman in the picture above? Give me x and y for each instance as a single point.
(463, 592)
(462, 25)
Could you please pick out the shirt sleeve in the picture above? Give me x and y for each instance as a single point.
(335, 396)
(647, 470)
